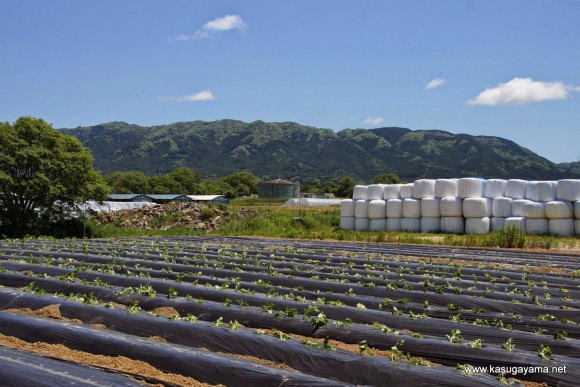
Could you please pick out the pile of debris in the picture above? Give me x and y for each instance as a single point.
(196, 216)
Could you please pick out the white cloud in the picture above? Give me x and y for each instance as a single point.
(213, 27)
(523, 90)
(205, 95)
(373, 120)
(437, 82)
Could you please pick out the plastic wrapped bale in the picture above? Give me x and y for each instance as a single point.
(477, 207)
(430, 207)
(361, 224)
(378, 225)
(424, 188)
(377, 209)
(537, 226)
(477, 225)
(497, 223)
(411, 208)
(296, 203)
(375, 191)
(516, 188)
(347, 223)
(445, 187)
(559, 209)
(536, 210)
(359, 192)
(430, 224)
(577, 210)
(395, 208)
(577, 226)
(568, 189)
(519, 207)
(561, 227)
(495, 188)
(406, 191)
(411, 224)
(502, 207)
(470, 187)
(546, 191)
(516, 221)
(361, 209)
(394, 224)
(532, 191)
(347, 207)
(453, 225)
(392, 191)
(451, 206)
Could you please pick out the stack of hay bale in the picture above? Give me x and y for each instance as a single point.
(467, 205)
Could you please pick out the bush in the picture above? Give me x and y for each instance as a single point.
(508, 237)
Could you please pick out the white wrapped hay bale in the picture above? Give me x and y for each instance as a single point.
(546, 191)
(477, 225)
(532, 191)
(394, 224)
(470, 187)
(361, 209)
(430, 224)
(497, 223)
(559, 209)
(424, 188)
(411, 224)
(502, 207)
(561, 227)
(451, 206)
(406, 191)
(430, 207)
(477, 207)
(535, 210)
(347, 222)
(392, 191)
(516, 188)
(361, 224)
(377, 209)
(516, 221)
(395, 208)
(411, 208)
(375, 191)
(519, 207)
(537, 226)
(568, 189)
(495, 188)
(453, 225)
(359, 192)
(347, 207)
(577, 210)
(445, 187)
(378, 225)
(577, 226)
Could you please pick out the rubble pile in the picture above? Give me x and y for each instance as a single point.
(196, 216)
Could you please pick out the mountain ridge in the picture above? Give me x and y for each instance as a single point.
(295, 151)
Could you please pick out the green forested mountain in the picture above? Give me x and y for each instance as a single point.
(293, 151)
(573, 167)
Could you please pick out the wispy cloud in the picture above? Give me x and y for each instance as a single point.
(373, 120)
(523, 90)
(437, 82)
(205, 95)
(212, 28)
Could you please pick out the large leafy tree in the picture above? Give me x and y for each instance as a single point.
(242, 183)
(128, 183)
(43, 173)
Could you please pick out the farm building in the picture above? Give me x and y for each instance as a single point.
(213, 199)
(166, 198)
(129, 198)
(278, 189)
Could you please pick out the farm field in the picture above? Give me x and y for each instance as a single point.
(261, 312)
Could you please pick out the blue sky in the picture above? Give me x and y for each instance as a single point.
(497, 68)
